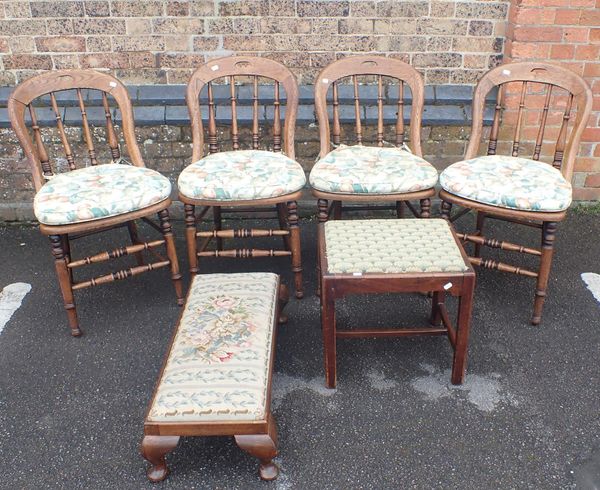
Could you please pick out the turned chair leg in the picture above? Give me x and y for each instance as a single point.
(135, 239)
(284, 297)
(263, 447)
(190, 237)
(445, 210)
(165, 227)
(322, 216)
(294, 228)
(66, 244)
(218, 225)
(479, 232)
(65, 282)
(154, 449)
(283, 225)
(548, 236)
(425, 208)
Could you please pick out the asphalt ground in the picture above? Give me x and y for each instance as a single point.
(528, 416)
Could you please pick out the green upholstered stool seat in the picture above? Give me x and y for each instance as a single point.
(393, 246)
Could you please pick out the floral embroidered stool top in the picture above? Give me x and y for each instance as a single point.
(219, 363)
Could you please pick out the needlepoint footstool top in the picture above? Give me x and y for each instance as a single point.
(218, 365)
(392, 246)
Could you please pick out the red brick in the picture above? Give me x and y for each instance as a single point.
(591, 18)
(593, 180)
(530, 50)
(567, 16)
(538, 34)
(591, 70)
(576, 34)
(562, 51)
(594, 35)
(585, 164)
(586, 194)
(591, 134)
(533, 16)
(589, 52)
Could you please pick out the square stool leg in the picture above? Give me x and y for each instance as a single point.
(328, 327)
(463, 327)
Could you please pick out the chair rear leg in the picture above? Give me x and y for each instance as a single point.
(399, 209)
(548, 236)
(135, 239)
(479, 231)
(425, 208)
(445, 210)
(218, 222)
(283, 225)
(64, 279)
(154, 449)
(167, 232)
(263, 447)
(190, 237)
(283, 298)
(294, 228)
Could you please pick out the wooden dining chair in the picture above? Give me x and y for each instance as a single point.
(233, 174)
(82, 192)
(555, 103)
(385, 169)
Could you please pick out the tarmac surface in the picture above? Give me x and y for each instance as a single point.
(528, 415)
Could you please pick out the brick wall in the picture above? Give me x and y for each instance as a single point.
(565, 32)
(160, 41)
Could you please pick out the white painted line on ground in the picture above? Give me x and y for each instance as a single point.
(592, 281)
(10, 300)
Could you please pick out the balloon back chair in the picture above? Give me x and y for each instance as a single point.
(382, 172)
(82, 192)
(233, 173)
(554, 103)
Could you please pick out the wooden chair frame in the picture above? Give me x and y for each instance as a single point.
(564, 159)
(379, 66)
(61, 236)
(286, 205)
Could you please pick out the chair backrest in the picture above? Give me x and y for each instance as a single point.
(544, 96)
(387, 72)
(236, 70)
(22, 105)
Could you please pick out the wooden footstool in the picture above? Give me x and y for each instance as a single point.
(216, 378)
(395, 256)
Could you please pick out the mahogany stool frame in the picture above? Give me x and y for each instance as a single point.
(337, 286)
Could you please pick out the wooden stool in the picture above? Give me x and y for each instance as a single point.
(216, 377)
(395, 256)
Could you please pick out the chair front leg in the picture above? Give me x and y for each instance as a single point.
(282, 217)
(135, 239)
(295, 244)
(337, 209)
(548, 237)
(479, 232)
(65, 281)
(165, 227)
(190, 237)
(425, 208)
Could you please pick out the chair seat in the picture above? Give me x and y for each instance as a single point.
(241, 175)
(98, 192)
(509, 182)
(372, 170)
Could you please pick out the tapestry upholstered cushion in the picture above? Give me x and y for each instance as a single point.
(97, 192)
(218, 365)
(508, 182)
(391, 246)
(372, 170)
(241, 175)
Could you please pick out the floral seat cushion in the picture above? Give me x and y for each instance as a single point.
(509, 182)
(97, 192)
(219, 363)
(241, 175)
(372, 170)
(391, 246)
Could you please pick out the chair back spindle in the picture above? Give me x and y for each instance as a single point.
(516, 142)
(255, 139)
(493, 143)
(400, 116)
(213, 143)
(111, 134)
(235, 137)
(336, 130)
(42, 153)
(358, 125)
(562, 135)
(379, 111)
(87, 133)
(540, 136)
(276, 120)
(61, 132)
